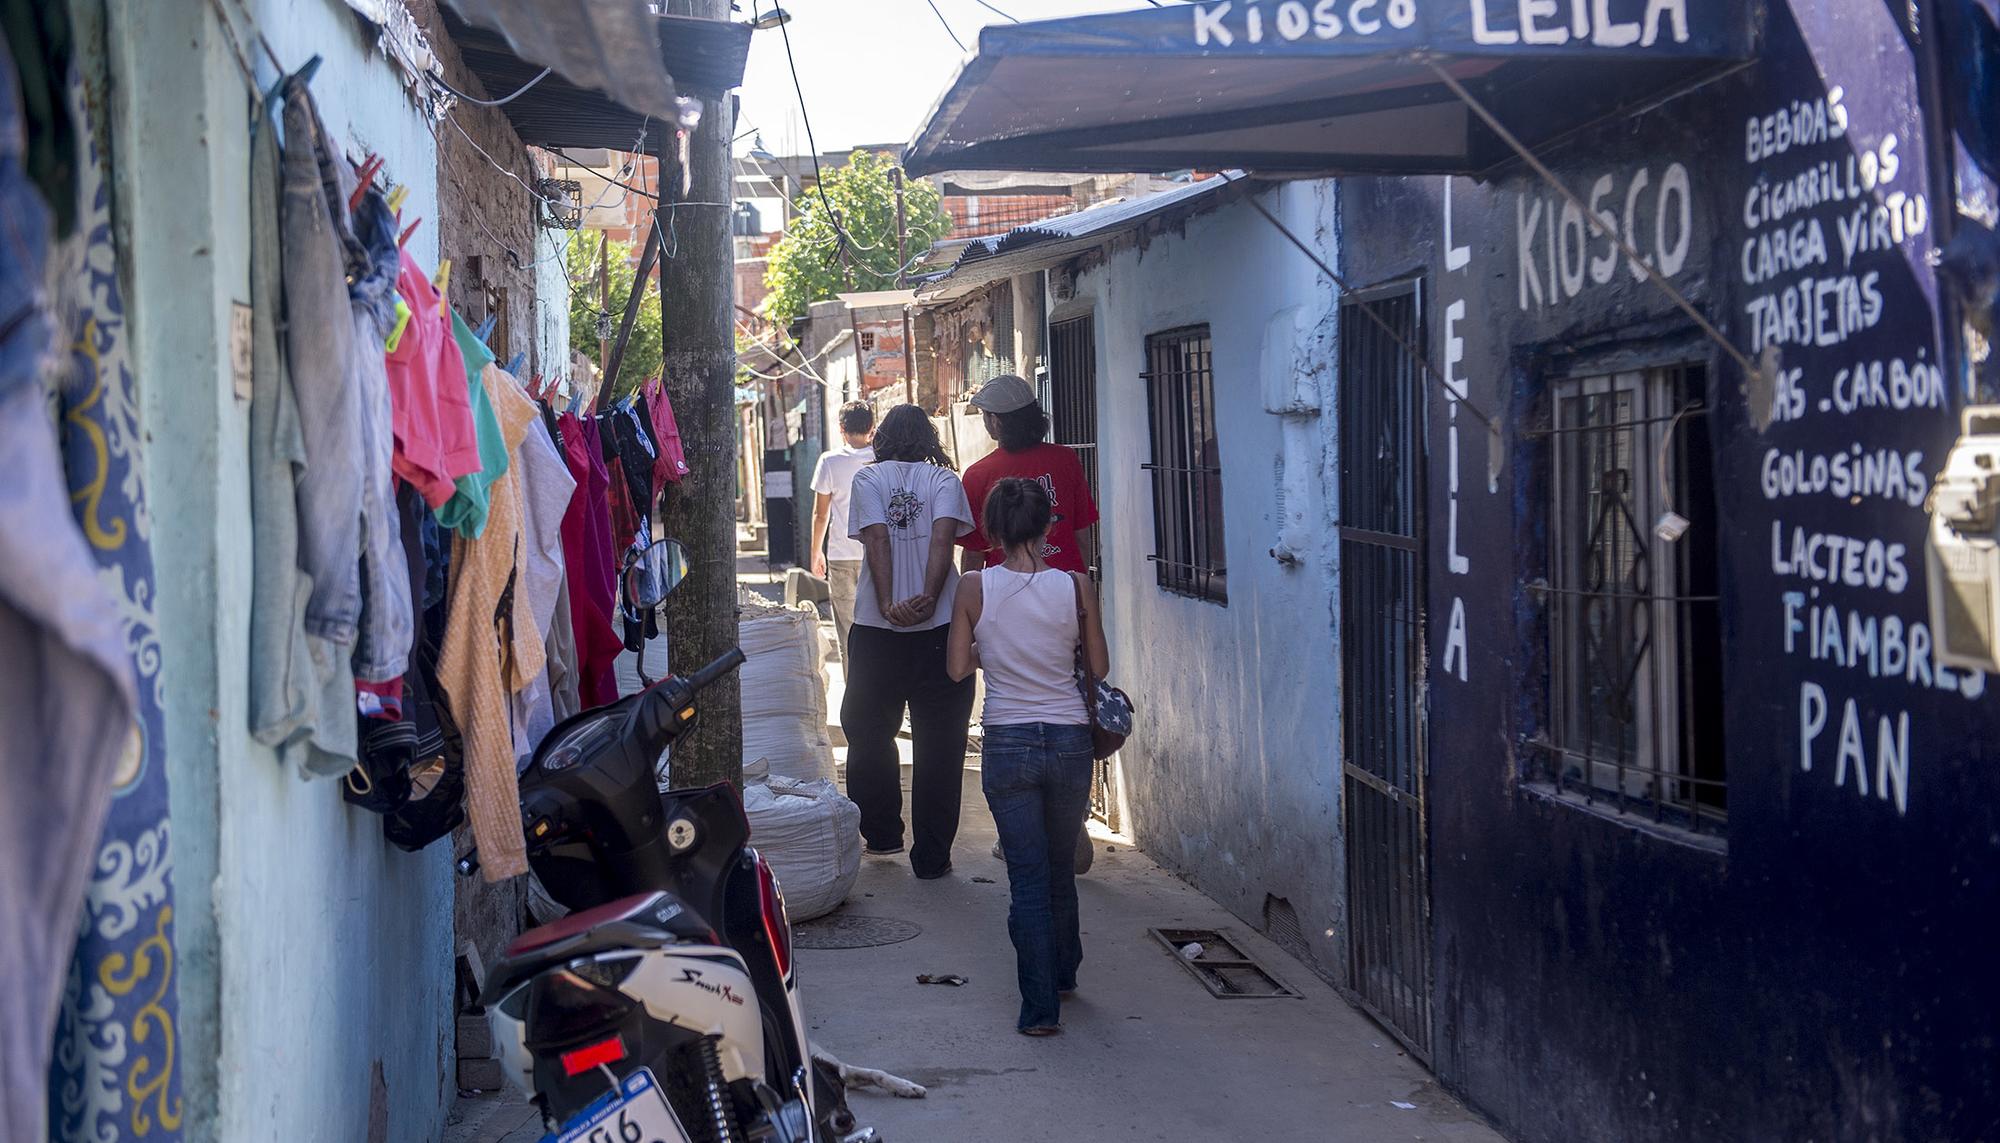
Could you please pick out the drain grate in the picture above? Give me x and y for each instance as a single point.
(1223, 967)
(847, 931)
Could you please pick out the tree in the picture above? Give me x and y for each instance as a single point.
(642, 349)
(806, 265)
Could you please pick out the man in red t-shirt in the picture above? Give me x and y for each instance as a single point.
(1017, 421)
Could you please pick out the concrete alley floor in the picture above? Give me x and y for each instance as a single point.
(1146, 1053)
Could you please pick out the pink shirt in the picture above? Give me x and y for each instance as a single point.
(435, 440)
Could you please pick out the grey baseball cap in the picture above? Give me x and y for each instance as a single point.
(1004, 394)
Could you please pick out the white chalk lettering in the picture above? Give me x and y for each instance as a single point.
(1208, 25)
(1802, 124)
(1853, 472)
(1579, 248)
(1482, 31)
(1454, 639)
(1816, 311)
(1878, 646)
(1892, 747)
(1455, 257)
(1823, 557)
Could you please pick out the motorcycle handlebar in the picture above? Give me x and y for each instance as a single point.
(723, 664)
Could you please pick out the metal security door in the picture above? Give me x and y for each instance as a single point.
(1073, 423)
(1382, 661)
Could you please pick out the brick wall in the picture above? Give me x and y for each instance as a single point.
(487, 224)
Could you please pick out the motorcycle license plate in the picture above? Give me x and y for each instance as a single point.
(636, 1113)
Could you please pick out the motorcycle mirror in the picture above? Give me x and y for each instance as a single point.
(653, 574)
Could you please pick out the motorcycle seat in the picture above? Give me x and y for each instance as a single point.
(641, 921)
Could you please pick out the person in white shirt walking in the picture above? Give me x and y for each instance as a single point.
(836, 556)
(908, 511)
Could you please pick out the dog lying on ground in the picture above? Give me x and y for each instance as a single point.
(856, 1078)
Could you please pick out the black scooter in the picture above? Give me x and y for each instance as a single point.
(665, 1007)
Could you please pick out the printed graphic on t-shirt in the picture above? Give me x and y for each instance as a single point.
(904, 508)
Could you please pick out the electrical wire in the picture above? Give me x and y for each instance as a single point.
(819, 179)
(995, 11)
(947, 25)
(501, 102)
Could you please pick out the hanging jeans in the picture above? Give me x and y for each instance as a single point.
(1036, 777)
(888, 671)
(319, 349)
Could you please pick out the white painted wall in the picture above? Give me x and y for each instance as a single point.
(311, 952)
(1231, 776)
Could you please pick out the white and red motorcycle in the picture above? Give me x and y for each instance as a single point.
(664, 1008)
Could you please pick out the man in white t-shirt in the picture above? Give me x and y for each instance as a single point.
(836, 556)
(908, 511)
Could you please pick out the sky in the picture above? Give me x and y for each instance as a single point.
(871, 69)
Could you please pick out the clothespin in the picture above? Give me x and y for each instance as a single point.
(396, 199)
(515, 364)
(439, 283)
(370, 167)
(485, 329)
(407, 231)
(402, 323)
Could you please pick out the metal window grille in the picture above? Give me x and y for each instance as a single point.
(985, 365)
(1073, 403)
(1633, 630)
(1187, 466)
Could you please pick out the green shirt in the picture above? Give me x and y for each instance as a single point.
(465, 512)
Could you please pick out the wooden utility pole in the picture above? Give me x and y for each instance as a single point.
(902, 276)
(697, 304)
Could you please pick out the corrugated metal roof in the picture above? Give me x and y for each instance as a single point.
(597, 96)
(1038, 244)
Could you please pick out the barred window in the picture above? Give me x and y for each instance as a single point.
(1186, 465)
(1635, 700)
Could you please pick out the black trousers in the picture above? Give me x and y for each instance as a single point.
(889, 670)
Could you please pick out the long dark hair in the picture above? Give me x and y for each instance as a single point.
(1022, 428)
(1016, 511)
(906, 433)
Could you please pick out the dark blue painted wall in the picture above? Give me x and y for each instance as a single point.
(1831, 973)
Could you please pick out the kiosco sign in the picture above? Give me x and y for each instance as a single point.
(1476, 23)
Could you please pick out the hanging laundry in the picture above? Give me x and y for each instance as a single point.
(435, 802)
(565, 680)
(69, 703)
(546, 490)
(382, 647)
(319, 335)
(672, 464)
(301, 682)
(588, 554)
(491, 650)
(436, 441)
(466, 512)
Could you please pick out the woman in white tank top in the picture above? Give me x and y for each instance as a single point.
(1022, 623)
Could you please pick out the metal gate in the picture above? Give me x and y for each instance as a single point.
(1382, 661)
(1073, 422)
(1073, 405)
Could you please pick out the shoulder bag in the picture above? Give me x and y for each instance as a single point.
(1109, 709)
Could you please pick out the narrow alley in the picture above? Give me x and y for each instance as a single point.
(944, 571)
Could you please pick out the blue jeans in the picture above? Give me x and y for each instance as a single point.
(1037, 781)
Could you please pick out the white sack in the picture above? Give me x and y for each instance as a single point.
(811, 835)
(784, 692)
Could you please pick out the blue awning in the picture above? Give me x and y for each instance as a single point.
(1298, 87)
